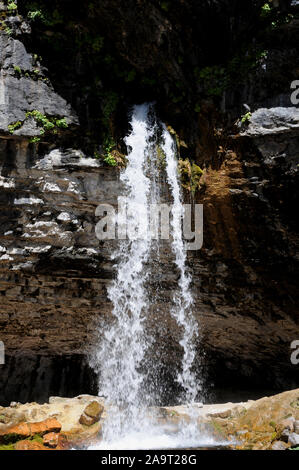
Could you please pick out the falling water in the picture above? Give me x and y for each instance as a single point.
(124, 345)
(182, 310)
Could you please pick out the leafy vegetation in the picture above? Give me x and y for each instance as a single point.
(18, 71)
(265, 10)
(190, 174)
(35, 15)
(14, 126)
(11, 6)
(7, 447)
(245, 119)
(105, 79)
(46, 124)
(212, 80)
(109, 157)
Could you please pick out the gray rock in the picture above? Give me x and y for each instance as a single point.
(21, 94)
(13, 53)
(294, 439)
(267, 121)
(285, 435)
(296, 426)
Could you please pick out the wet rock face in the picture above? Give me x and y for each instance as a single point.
(247, 270)
(54, 274)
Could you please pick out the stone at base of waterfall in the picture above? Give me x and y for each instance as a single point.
(294, 439)
(29, 445)
(285, 434)
(288, 424)
(279, 445)
(51, 439)
(25, 430)
(91, 414)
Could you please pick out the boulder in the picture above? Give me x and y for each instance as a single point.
(94, 409)
(294, 439)
(288, 424)
(29, 445)
(91, 414)
(10, 416)
(46, 426)
(86, 420)
(51, 439)
(267, 121)
(279, 445)
(25, 430)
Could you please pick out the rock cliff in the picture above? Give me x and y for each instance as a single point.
(101, 57)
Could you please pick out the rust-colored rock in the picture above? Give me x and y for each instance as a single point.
(25, 430)
(46, 426)
(51, 439)
(29, 445)
(14, 433)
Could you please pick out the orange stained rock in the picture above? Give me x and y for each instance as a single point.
(29, 445)
(51, 439)
(24, 430)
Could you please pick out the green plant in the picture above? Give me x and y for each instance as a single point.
(11, 5)
(7, 447)
(34, 140)
(110, 160)
(47, 123)
(265, 10)
(14, 126)
(36, 15)
(190, 175)
(47, 16)
(61, 123)
(8, 31)
(245, 119)
(37, 438)
(18, 70)
(212, 80)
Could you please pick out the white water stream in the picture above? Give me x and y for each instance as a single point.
(123, 347)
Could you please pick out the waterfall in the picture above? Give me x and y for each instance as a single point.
(124, 345)
(182, 310)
